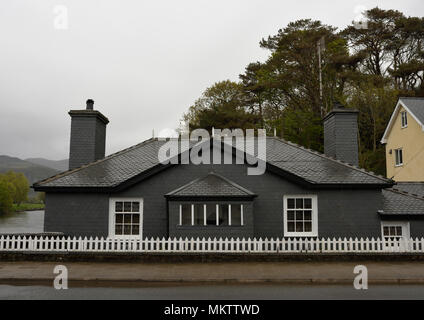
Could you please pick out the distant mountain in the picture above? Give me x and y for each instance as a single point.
(33, 172)
(60, 165)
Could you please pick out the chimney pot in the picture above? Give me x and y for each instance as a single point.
(90, 104)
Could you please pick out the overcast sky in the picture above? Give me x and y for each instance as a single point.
(143, 62)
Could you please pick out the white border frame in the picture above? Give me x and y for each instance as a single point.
(314, 232)
(112, 216)
(400, 223)
(180, 218)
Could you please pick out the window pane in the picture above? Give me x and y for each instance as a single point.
(398, 231)
(386, 231)
(136, 207)
(299, 203)
(290, 226)
(308, 226)
(211, 214)
(290, 203)
(299, 226)
(308, 203)
(118, 229)
(307, 215)
(136, 218)
(127, 229)
(198, 214)
(119, 218)
(392, 231)
(186, 214)
(290, 215)
(127, 218)
(299, 215)
(223, 215)
(127, 206)
(236, 214)
(118, 206)
(135, 229)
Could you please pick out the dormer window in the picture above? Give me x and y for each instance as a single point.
(404, 117)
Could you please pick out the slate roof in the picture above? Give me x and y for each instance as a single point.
(212, 185)
(413, 188)
(305, 164)
(315, 167)
(397, 202)
(415, 105)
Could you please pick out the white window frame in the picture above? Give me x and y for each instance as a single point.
(314, 229)
(406, 233)
(404, 119)
(180, 218)
(112, 213)
(397, 157)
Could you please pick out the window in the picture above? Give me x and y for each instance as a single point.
(198, 214)
(300, 216)
(398, 157)
(394, 230)
(236, 215)
(211, 214)
(404, 117)
(185, 214)
(125, 218)
(224, 215)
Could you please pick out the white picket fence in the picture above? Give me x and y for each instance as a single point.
(215, 245)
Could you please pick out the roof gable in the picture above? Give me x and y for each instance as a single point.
(414, 106)
(212, 185)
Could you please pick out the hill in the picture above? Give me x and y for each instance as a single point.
(33, 172)
(60, 165)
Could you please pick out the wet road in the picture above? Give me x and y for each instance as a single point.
(224, 292)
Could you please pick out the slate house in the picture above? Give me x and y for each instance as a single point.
(301, 194)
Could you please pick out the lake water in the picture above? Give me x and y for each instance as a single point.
(22, 222)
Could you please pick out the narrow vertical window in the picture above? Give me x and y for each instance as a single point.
(211, 214)
(185, 210)
(224, 215)
(398, 157)
(198, 215)
(236, 215)
(404, 117)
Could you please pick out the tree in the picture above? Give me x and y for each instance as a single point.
(6, 200)
(222, 106)
(18, 185)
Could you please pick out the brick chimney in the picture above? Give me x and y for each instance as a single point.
(341, 134)
(88, 136)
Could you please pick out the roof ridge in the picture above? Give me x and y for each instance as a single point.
(112, 155)
(322, 155)
(412, 195)
(411, 97)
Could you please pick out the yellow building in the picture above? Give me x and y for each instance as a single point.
(404, 139)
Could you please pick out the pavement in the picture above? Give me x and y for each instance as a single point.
(138, 274)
